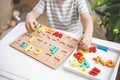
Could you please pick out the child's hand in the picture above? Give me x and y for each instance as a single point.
(30, 22)
(85, 41)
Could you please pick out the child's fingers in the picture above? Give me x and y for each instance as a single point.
(81, 37)
(28, 27)
(32, 26)
(83, 46)
(87, 44)
(35, 23)
(83, 40)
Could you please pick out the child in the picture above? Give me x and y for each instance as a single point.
(64, 15)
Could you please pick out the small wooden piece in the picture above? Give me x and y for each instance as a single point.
(82, 59)
(50, 31)
(23, 44)
(94, 72)
(92, 49)
(38, 52)
(74, 63)
(99, 59)
(42, 29)
(85, 64)
(78, 55)
(31, 39)
(37, 27)
(83, 69)
(108, 63)
(54, 49)
(102, 48)
(30, 48)
(57, 34)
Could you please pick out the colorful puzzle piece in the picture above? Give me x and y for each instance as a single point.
(31, 39)
(50, 31)
(37, 27)
(92, 49)
(81, 59)
(83, 69)
(109, 63)
(23, 44)
(78, 55)
(57, 34)
(30, 48)
(94, 72)
(79, 50)
(85, 64)
(74, 63)
(38, 52)
(42, 29)
(99, 59)
(29, 32)
(102, 48)
(54, 49)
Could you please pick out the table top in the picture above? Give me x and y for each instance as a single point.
(27, 68)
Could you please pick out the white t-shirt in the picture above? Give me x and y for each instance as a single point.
(63, 15)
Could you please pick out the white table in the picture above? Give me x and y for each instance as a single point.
(18, 66)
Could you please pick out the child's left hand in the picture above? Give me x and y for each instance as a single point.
(85, 41)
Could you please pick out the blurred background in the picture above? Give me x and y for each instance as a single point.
(105, 15)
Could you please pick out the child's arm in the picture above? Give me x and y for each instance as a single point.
(34, 14)
(31, 21)
(87, 23)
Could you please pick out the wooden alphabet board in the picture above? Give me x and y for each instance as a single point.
(46, 45)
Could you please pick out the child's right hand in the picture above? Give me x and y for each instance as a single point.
(31, 22)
